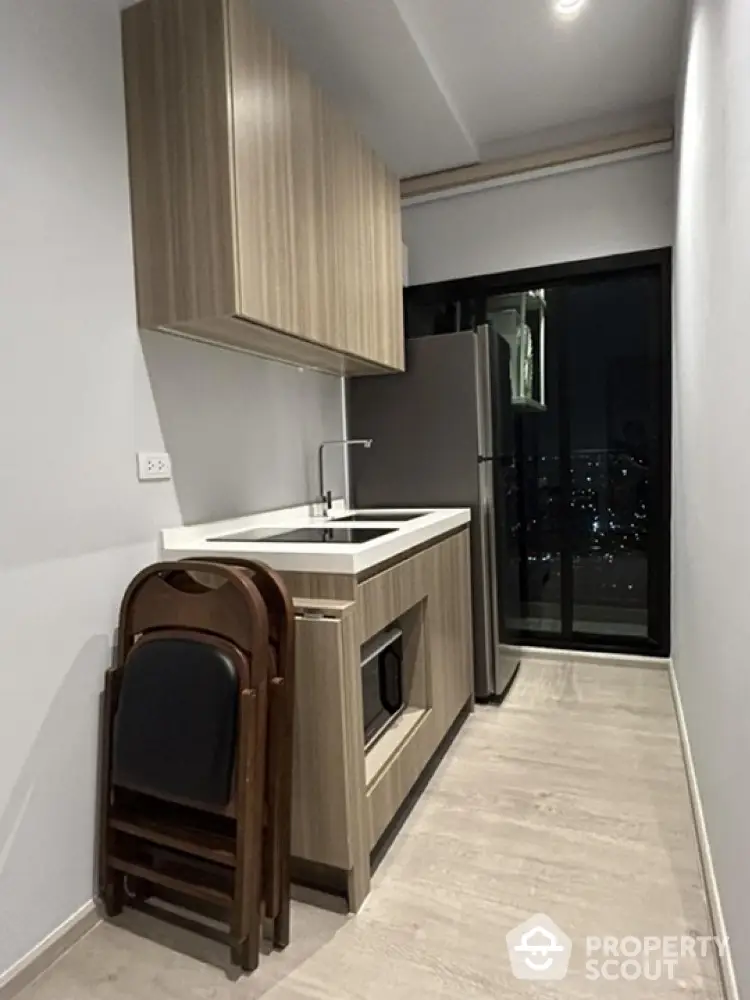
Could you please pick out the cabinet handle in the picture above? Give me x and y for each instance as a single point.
(391, 685)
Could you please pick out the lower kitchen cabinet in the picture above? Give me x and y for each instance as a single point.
(346, 795)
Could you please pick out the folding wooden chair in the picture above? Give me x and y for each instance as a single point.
(186, 783)
(277, 834)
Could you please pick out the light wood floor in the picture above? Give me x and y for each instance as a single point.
(570, 799)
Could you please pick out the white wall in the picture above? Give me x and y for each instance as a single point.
(243, 433)
(79, 395)
(594, 212)
(711, 623)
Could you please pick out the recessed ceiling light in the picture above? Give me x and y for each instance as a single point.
(568, 8)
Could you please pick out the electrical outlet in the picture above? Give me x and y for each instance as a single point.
(154, 465)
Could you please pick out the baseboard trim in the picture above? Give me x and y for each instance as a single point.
(715, 911)
(587, 656)
(40, 958)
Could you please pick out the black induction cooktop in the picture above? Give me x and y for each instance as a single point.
(323, 536)
(384, 516)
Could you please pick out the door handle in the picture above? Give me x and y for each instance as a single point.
(391, 684)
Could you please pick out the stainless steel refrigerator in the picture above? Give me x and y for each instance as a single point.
(443, 436)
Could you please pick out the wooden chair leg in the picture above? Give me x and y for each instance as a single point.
(274, 799)
(283, 835)
(277, 843)
(245, 956)
(246, 917)
(281, 925)
(114, 893)
(111, 883)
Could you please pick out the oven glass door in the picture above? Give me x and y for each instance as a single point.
(376, 715)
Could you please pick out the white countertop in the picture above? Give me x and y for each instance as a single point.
(314, 557)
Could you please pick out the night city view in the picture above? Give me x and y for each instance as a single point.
(604, 524)
(583, 476)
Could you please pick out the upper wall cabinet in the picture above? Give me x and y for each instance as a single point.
(261, 219)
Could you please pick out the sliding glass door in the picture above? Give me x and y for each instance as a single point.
(588, 502)
(582, 473)
(610, 330)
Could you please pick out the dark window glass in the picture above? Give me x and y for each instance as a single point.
(580, 390)
(610, 325)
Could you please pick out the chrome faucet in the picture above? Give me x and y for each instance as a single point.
(325, 495)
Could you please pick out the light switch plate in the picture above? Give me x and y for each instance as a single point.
(154, 465)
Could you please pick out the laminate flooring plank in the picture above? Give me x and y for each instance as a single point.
(569, 799)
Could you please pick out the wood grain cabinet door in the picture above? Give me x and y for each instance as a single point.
(343, 179)
(261, 217)
(263, 91)
(387, 333)
(316, 213)
(179, 148)
(392, 270)
(367, 248)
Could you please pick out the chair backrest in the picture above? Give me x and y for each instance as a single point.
(278, 604)
(186, 652)
(169, 595)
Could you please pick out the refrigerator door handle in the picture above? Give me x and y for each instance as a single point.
(483, 395)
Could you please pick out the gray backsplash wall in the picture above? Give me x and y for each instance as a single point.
(242, 432)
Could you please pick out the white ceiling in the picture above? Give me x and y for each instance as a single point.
(436, 83)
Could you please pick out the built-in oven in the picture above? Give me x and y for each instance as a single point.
(381, 660)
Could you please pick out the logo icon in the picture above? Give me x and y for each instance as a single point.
(539, 950)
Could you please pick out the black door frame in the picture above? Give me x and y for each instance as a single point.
(659, 534)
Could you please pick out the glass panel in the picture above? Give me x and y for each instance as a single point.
(580, 383)
(527, 470)
(536, 555)
(610, 325)
(519, 318)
